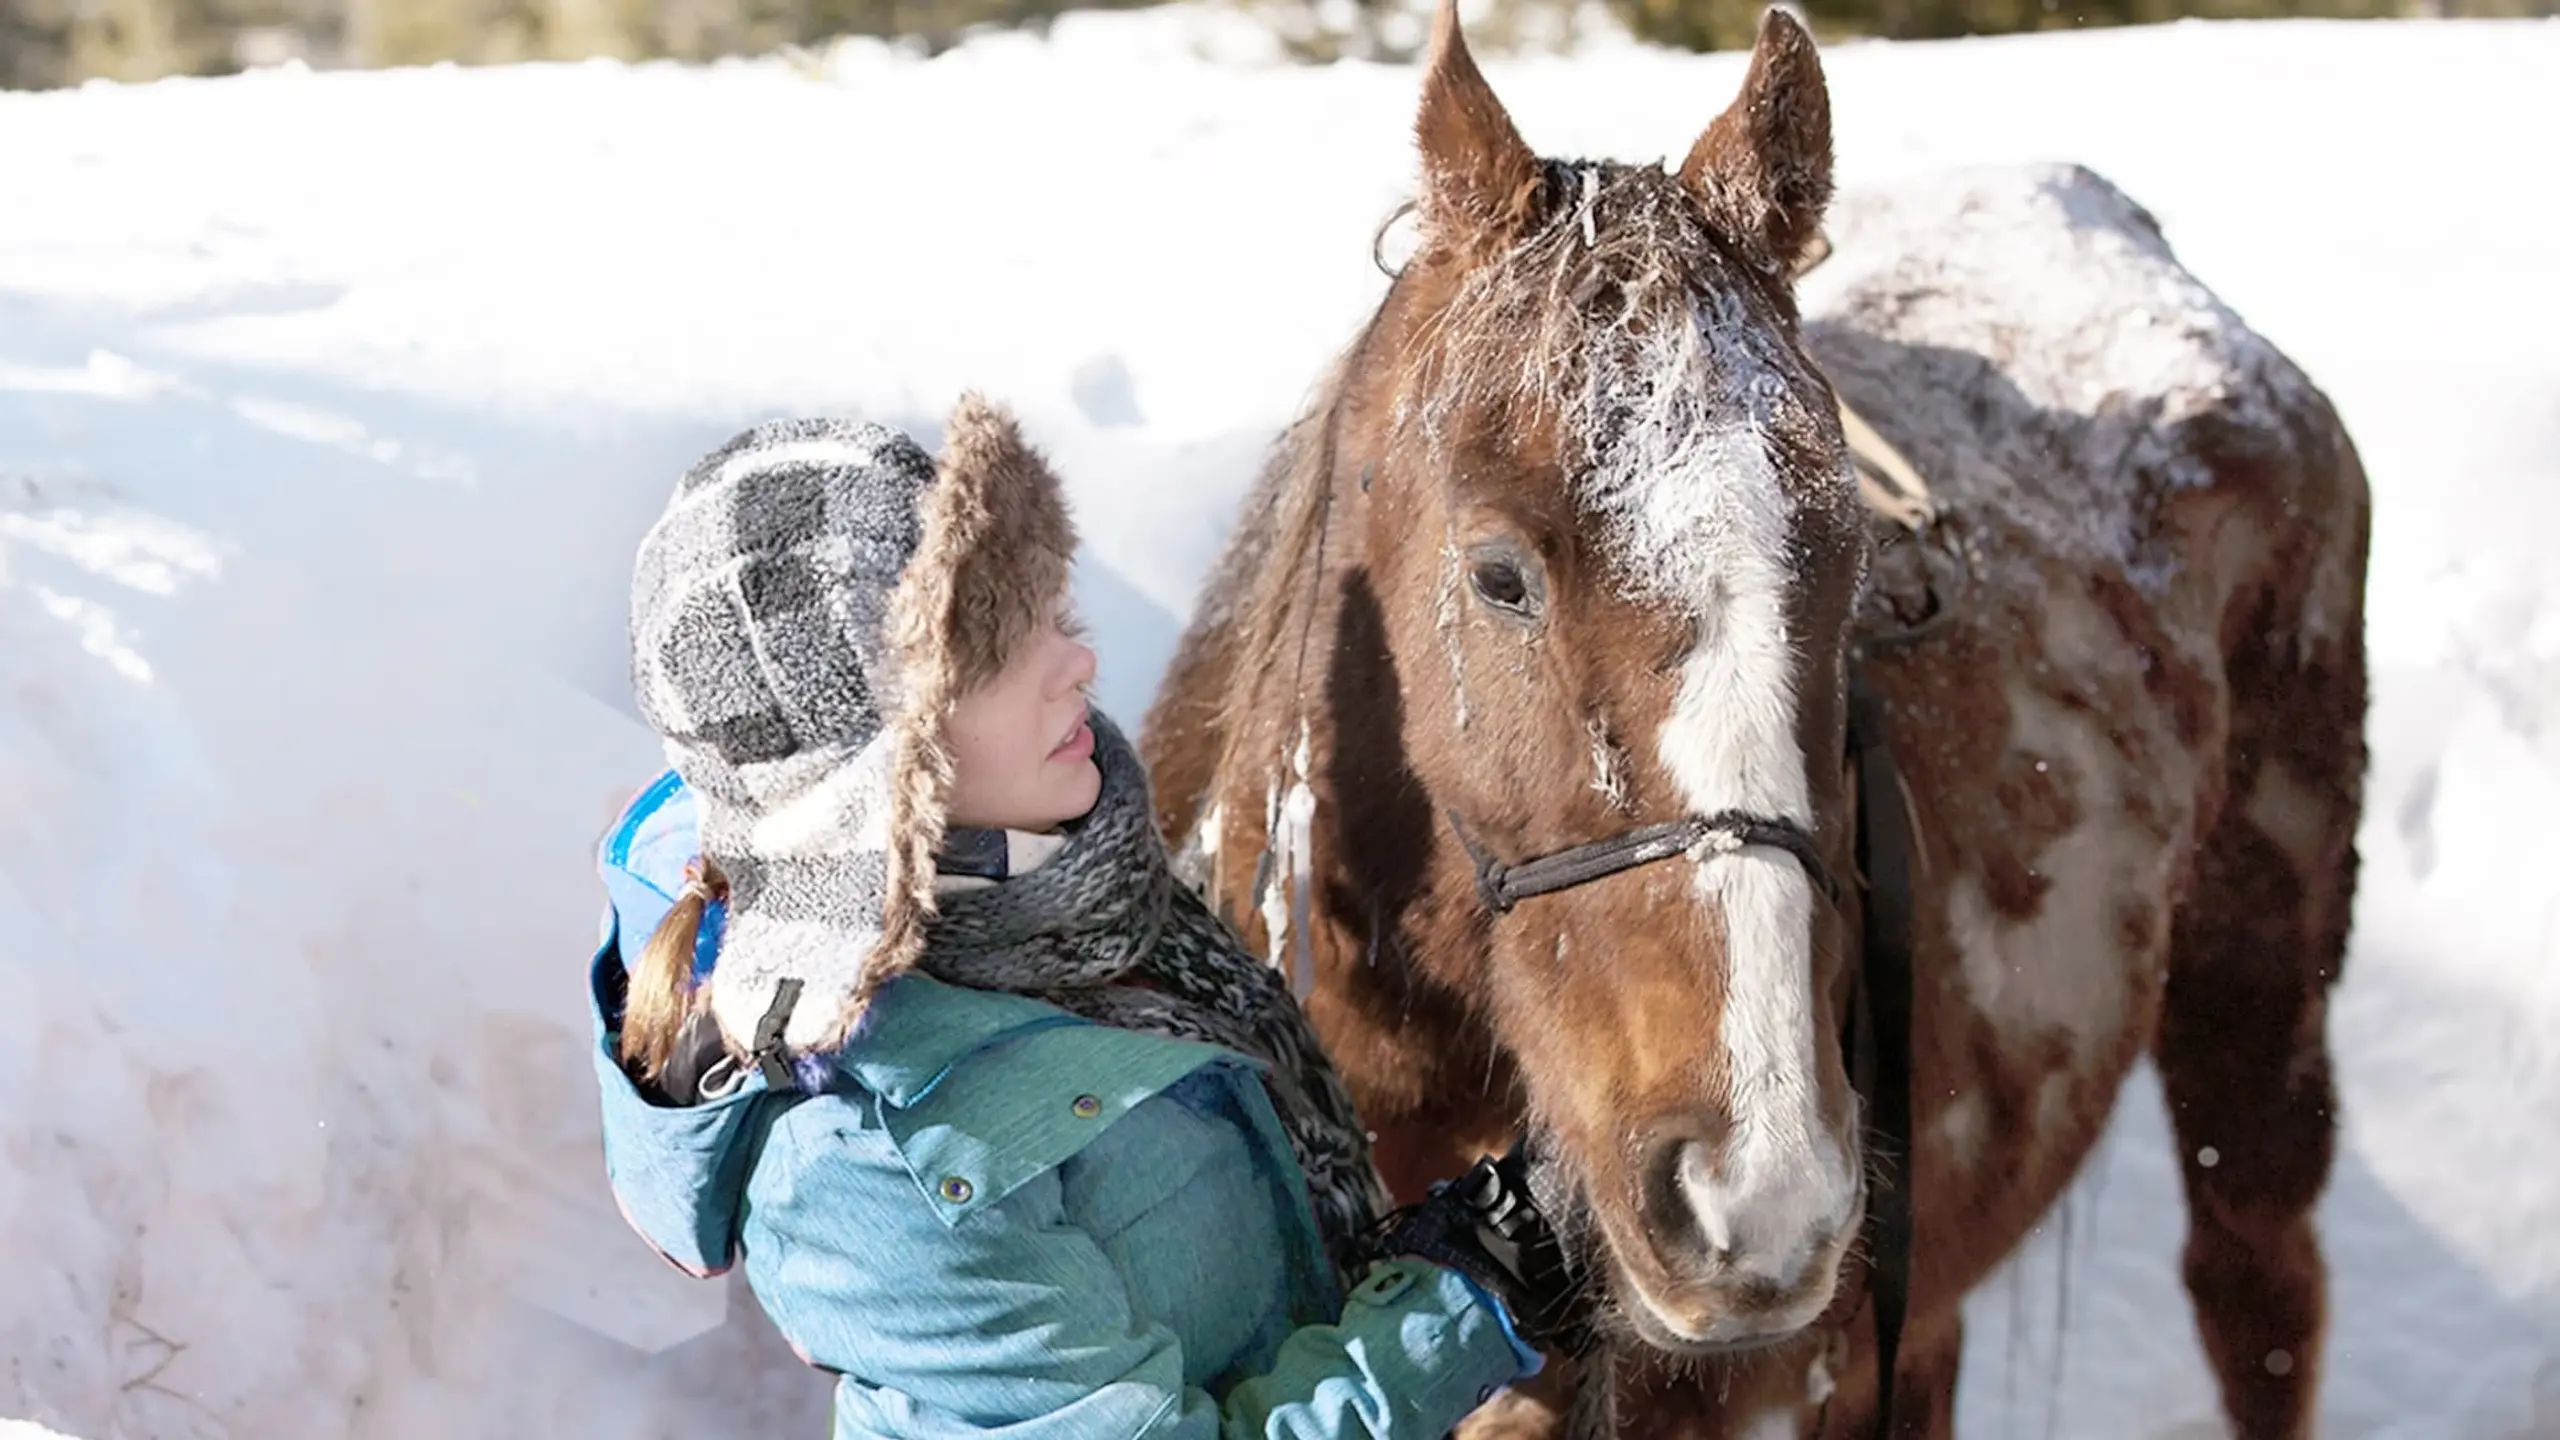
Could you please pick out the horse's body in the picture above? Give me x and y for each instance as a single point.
(2133, 755)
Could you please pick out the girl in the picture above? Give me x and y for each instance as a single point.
(900, 1002)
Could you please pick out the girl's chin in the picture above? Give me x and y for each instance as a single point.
(1066, 793)
(1082, 788)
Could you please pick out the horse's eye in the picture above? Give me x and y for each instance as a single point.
(1503, 582)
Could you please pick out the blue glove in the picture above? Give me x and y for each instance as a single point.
(1485, 1226)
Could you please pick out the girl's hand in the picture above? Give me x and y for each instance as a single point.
(1485, 1226)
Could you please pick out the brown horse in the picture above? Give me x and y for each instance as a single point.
(1570, 545)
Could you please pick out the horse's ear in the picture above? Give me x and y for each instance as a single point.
(1763, 167)
(1479, 179)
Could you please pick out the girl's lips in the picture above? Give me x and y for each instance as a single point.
(1078, 745)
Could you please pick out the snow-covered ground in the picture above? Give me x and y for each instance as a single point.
(330, 407)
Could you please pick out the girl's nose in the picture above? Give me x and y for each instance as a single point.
(1076, 670)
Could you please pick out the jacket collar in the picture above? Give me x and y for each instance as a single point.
(918, 1028)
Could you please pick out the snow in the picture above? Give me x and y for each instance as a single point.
(331, 405)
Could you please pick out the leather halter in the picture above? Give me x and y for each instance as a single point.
(1876, 1035)
(1700, 838)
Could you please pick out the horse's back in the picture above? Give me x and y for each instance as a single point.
(2099, 425)
(2029, 337)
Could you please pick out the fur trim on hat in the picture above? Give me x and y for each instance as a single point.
(993, 569)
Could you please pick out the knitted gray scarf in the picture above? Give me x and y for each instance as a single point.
(1104, 931)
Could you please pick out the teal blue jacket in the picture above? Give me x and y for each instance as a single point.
(987, 1216)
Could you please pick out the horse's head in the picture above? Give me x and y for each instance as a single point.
(1614, 541)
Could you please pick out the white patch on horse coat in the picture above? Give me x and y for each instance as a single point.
(2303, 824)
(1776, 1424)
(2292, 817)
(1963, 1127)
(2023, 974)
(1696, 516)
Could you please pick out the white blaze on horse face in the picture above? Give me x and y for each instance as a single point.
(1696, 512)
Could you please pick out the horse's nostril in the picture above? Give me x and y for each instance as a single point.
(1753, 1226)
(1668, 1214)
(1690, 1238)
(1698, 1177)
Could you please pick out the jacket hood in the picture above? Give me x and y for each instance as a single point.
(677, 1172)
(680, 1172)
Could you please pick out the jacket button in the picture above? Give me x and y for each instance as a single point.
(1087, 1106)
(956, 1190)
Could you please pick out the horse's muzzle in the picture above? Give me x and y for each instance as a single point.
(1738, 1248)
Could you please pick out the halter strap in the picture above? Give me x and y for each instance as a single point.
(1699, 837)
(1881, 1015)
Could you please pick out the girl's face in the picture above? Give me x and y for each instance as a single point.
(1021, 750)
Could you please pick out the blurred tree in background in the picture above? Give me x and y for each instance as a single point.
(63, 42)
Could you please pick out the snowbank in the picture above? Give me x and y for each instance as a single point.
(330, 406)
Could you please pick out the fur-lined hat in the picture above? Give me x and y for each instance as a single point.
(815, 598)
